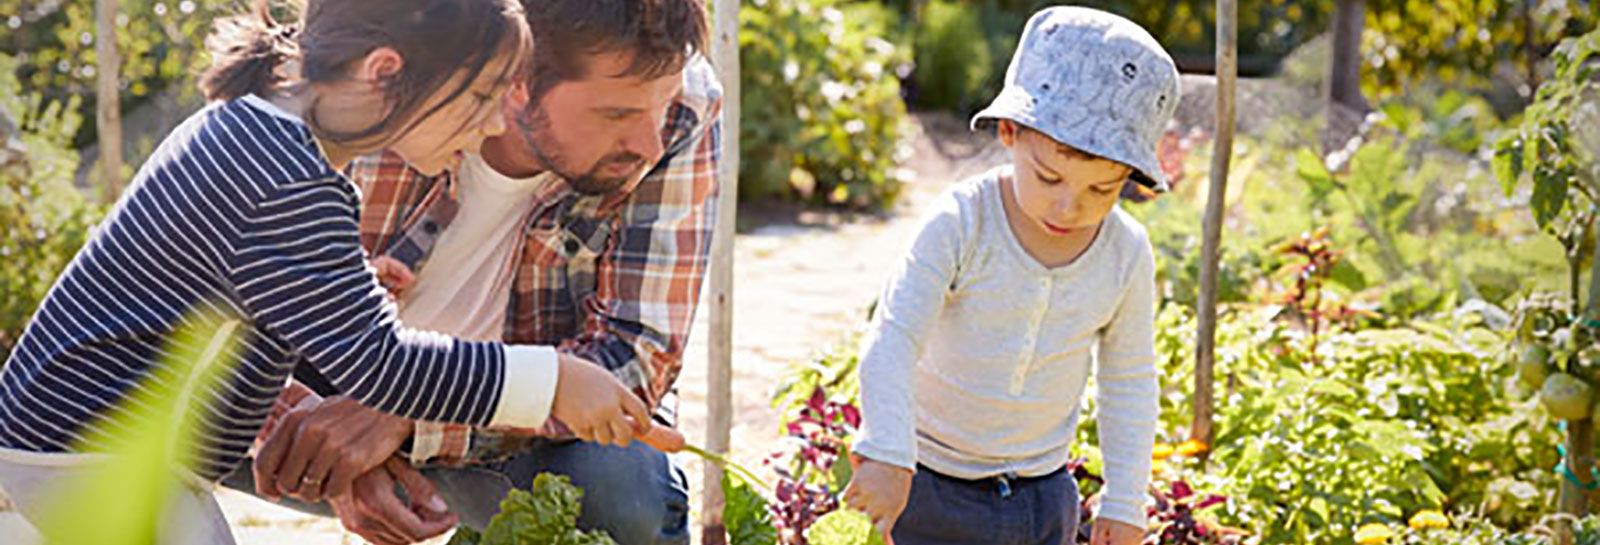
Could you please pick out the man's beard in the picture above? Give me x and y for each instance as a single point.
(535, 127)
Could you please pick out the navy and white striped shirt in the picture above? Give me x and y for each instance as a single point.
(238, 213)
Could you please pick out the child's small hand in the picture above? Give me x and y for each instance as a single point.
(1111, 532)
(393, 275)
(880, 490)
(595, 405)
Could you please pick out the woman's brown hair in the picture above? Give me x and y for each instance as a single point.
(436, 38)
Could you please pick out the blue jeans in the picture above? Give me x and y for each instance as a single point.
(943, 510)
(635, 494)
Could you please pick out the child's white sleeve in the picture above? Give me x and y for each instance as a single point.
(910, 302)
(1129, 396)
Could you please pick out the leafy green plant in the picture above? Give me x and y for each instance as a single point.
(1387, 420)
(1374, 190)
(1176, 517)
(1448, 118)
(955, 63)
(161, 44)
(1556, 148)
(745, 513)
(1461, 42)
(44, 220)
(822, 119)
(833, 371)
(546, 513)
(155, 444)
(1390, 421)
(1309, 467)
(819, 405)
(843, 527)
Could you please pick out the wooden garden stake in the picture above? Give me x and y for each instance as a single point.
(108, 106)
(719, 376)
(1216, 207)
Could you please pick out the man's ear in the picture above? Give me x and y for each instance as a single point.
(518, 95)
(379, 65)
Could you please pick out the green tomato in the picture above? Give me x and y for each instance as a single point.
(1566, 396)
(1533, 366)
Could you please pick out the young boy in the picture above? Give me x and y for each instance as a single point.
(1018, 283)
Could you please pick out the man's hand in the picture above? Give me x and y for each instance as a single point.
(318, 451)
(1112, 532)
(880, 490)
(595, 405)
(373, 511)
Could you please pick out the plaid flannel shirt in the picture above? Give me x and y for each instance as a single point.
(613, 279)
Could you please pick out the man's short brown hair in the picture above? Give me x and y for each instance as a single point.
(661, 35)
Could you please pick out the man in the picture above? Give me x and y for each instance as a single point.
(585, 226)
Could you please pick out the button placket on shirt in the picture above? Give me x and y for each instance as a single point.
(1031, 342)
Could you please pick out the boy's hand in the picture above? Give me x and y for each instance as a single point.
(880, 490)
(595, 405)
(1111, 532)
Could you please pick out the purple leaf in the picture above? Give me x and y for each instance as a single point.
(852, 416)
(818, 399)
(1211, 500)
(1181, 490)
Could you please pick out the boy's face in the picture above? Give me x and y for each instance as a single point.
(1058, 187)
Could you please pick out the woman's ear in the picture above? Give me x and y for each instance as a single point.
(379, 65)
(1007, 130)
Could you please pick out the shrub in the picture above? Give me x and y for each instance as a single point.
(44, 219)
(954, 60)
(822, 119)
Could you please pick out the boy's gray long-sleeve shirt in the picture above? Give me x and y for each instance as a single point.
(979, 356)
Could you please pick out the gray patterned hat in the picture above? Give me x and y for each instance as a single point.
(1094, 81)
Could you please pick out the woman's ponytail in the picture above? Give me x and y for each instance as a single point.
(246, 51)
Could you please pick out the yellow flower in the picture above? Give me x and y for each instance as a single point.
(1161, 452)
(1430, 518)
(1159, 467)
(1374, 534)
(1191, 448)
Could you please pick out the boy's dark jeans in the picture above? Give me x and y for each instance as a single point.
(635, 494)
(944, 510)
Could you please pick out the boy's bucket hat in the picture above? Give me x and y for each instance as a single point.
(1094, 81)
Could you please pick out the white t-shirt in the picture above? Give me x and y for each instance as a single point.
(464, 287)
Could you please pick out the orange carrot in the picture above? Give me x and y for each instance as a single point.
(671, 441)
(664, 439)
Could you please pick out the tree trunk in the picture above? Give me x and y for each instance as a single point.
(719, 378)
(1344, 77)
(1216, 207)
(1580, 433)
(1530, 50)
(1580, 457)
(108, 105)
